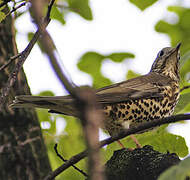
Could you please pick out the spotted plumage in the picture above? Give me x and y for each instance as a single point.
(128, 103)
(138, 111)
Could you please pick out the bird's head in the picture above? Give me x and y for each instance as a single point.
(167, 62)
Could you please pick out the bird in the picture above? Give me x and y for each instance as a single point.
(129, 103)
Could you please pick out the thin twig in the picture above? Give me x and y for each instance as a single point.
(12, 59)
(15, 8)
(185, 87)
(21, 59)
(141, 127)
(64, 160)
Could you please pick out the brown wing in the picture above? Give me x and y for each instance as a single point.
(141, 87)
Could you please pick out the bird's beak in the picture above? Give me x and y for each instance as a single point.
(178, 46)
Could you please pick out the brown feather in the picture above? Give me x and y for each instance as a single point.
(141, 87)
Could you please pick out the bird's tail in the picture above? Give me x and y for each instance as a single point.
(58, 104)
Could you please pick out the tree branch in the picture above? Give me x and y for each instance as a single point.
(51, 51)
(15, 8)
(85, 98)
(12, 59)
(185, 87)
(64, 160)
(91, 116)
(21, 59)
(141, 127)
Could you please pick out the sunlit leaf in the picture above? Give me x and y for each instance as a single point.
(57, 15)
(177, 172)
(131, 74)
(184, 101)
(91, 63)
(159, 138)
(81, 7)
(108, 151)
(143, 4)
(72, 143)
(178, 32)
(2, 16)
(46, 93)
(119, 57)
(164, 141)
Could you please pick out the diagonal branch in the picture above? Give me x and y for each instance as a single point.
(12, 59)
(21, 59)
(185, 87)
(16, 8)
(85, 98)
(64, 160)
(50, 49)
(141, 127)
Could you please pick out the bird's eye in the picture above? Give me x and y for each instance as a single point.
(161, 53)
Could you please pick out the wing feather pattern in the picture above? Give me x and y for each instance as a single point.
(137, 88)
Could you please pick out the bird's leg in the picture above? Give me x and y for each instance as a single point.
(119, 142)
(136, 141)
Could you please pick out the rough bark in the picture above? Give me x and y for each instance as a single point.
(23, 154)
(139, 164)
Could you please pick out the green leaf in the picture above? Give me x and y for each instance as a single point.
(57, 15)
(178, 32)
(119, 57)
(2, 16)
(91, 63)
(183, 105)
(44, 116)
(159, 138)
(81, 7)
(46, 93)
(177, 172)
(143, 4)
(164, 141)
(69, 143)
(184, 71)
(131, 74)
(108, 151)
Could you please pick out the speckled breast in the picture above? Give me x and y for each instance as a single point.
(127, 114)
